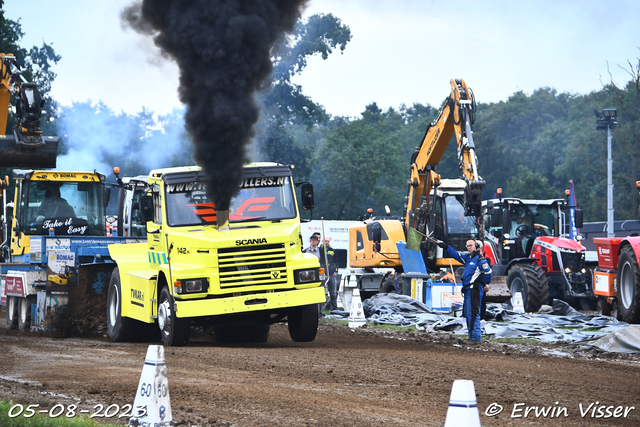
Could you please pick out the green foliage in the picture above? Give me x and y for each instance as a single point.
(319, 35)
(528, 185)
(361, 167)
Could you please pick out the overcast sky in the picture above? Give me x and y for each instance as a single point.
(402, 51)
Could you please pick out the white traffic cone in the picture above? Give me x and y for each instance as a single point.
(356, 315)
(463, 408)
(152, 406)
(518, 303)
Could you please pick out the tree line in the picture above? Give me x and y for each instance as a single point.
(530, 145)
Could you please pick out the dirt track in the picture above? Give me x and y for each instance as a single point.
(368, 377)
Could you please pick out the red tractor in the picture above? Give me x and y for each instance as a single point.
(528, 245)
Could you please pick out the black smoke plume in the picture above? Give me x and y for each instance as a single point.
(223, 50)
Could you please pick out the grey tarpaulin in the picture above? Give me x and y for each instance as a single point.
(549, 325)
(625, 340)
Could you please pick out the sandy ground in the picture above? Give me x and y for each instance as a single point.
(364, 377)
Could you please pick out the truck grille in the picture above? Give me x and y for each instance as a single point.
(252, 265)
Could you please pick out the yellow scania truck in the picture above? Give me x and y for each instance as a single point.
(237, 271)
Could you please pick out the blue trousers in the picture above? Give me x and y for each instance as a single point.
(472, 299)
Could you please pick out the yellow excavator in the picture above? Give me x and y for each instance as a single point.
(442, 209)
(25, 146)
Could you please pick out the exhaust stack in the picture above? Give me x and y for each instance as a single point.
(222, 219)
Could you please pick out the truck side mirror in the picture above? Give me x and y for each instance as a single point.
(579, 218)
(147, 208)
(106, 195)
(306, 190)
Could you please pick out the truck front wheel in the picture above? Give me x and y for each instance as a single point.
(628, 286)
(118, 328)
(303, 323)
(12, 312)
(174, 331)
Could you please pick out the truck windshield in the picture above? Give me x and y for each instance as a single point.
(70, 208)
(259, 199)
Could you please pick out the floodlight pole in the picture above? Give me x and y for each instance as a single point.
(610, 222)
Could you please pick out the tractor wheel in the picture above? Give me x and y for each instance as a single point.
(531, 282)
(628, 286)
(12, 312)
(118, 328)
(24, 312)
(389, 285)
(173, 330)
(604, 308)
(303, 323)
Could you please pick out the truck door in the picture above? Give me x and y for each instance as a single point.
(155, 236)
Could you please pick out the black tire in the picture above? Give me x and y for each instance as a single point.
(604, 308)
(12, 312)
(174, 331)
(24, 312)
(242, 333)
(119, 328)
(615, 312)
(389, 285)
(531, 281)
(628, 286)
(303, 323)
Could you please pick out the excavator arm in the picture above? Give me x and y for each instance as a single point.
(456, 116)
(26, 146)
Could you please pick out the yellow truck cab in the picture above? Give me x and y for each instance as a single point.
(239, 277)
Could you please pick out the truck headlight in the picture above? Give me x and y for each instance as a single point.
(191, 286)
(306, 276)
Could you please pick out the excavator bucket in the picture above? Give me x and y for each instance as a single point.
(17, 155)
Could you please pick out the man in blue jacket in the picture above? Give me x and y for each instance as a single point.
(475, 276)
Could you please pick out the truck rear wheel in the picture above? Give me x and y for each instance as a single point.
(531, 282)
(173, 330)
(24, 312)
(118, 328)
(628, 286)
(12, 312)
(303, 323)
